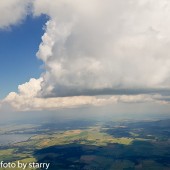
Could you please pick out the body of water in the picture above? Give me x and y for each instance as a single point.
(13, 138)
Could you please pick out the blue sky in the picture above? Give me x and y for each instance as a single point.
(18, 47)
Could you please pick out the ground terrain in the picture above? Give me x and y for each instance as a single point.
(87, 145)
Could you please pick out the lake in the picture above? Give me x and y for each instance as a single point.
(13, 138)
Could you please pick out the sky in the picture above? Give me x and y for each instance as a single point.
(70, 54)
(18, 47)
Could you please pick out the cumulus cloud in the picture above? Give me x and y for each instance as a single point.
(96, 48)
(96, 45)
(13, 12)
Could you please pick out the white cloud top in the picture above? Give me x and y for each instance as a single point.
(97, 44)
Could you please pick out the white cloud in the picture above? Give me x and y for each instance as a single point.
(13, 12)
(25, 96)
(97, 44)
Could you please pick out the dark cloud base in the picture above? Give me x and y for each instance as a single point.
(64, 92)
